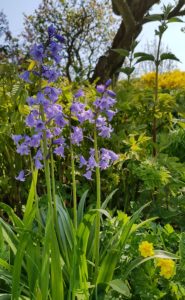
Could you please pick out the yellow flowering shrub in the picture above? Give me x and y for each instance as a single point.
(167, 267)
(146, 249)
(168, 80)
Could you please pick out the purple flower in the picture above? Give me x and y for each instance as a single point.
(86, 115)
(88, 175)
(53, 110)
(55, 48)
(50, 74)
(35, 140)
(105, 131)
(77, 136)
(59, 141)
(108, 82)
(21, 176)
(60, 38)
(101, 121)
(16, 138)
(52, 93)
(35, 113)
(38, 155)
(111, 93)
(31, 101)
(30, 120)
(78, 94)
(59, 151)
(41, 99)
(49, 135)
(56, 131)
(23, 149)
(106, 158)
(51, 31)
(37, 52)
(77, 107)
(92, 151)
(25, 76)
(83, 161)
(110, 114)
(113, 155)
(78, 110)
(40, 125)
(91, 162)
(38, 164)
(60, 121)
(100, 88)
(104, 164)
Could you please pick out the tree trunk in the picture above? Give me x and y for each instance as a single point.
(109, 64)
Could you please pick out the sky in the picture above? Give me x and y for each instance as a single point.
(173, 37)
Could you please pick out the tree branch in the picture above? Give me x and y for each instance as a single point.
(121, 8)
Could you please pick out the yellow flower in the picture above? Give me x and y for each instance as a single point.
(167, 267)
(146, 249)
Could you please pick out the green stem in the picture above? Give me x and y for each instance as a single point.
(156, 91)
(46, 164)
(54, 190)
(98, 206)
(36, 197)
(73, 186)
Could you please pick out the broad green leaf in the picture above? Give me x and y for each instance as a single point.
(44, 276)
(142, 54)
(107, 267)
(24, 241)
(56, 268)
(145, 58)
(154, 17)
(127, 70)
(121, 287)
(175, 19)
(5, 296)
(79, 274)
(171, 56)
(122, 52)
(31, 198)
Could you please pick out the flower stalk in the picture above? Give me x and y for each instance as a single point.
(98, 206)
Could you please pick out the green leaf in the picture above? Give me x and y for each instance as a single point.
(122, 52)
(81, 205)
(154, 17)
(31, 198)
(145, 58)
(141, 54)
(175, 19)
(127, 70)
(56, 268)
(121, 287)
(24, 241)
(111, 258)
(165, 56)
(109, 197)
(140, 260)
(182, 247)
(11, 214)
